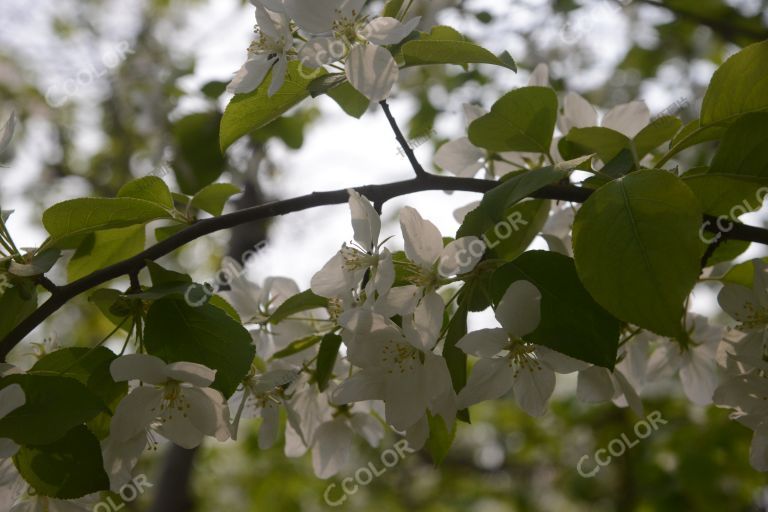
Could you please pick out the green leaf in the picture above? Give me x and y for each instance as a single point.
(455, 358)
(498, 201)
(507, 240)
(205, 335)
(298, 346)
(112, 305)
(326, 359)
(739, 86)
(303, 301)
(148, 188)
(351, 101)
(637, 248)
(522, 120)
(571, 321)
(213, 197)
(655, 134)
(392, 8)
(198, 161)
(442, 46)
(54, 405)
(248, 112)
(724, 194)
(82, 216)
(104, 248)
(440, 438)
(743, 149)
(66, 469)
(16, 304)
(607, 143)
(91, 368)
(163, 276)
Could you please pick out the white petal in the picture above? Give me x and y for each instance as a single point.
(628, 118)
(595, 385)
(181, 431)
(313, 16)
(577, 113)
(738, 301)
(539, 76)
(331, 451)
(143, 367)
(11, 398)
(533, 385)
(442, 397)
(417, 434)
(269, 430)
(332, 280)
(629, 395)
(490, 379)
(460, 157)
(484, 342)
(120, 457)
(372, 71)
(472, 113)
(459, 214)
(250, 75)
(135, 412)
(7, 448)
(319, 52)
(364, 385)
(405, 396)
(367, 427)
(384, 30)
(401, 300)
(278, 76)
(519, 310)
(559, 362)
(366, 223)
(461, 256)
(423, 328)
(423, 241)
(699, 378)
(193, 373)
(207, 412)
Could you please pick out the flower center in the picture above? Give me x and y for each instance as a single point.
(173, 402)
(399, 357)
(522, 356)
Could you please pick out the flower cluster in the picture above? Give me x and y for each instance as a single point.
(319, 33)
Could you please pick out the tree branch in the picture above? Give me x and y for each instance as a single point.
(378, 194)
(417, 168)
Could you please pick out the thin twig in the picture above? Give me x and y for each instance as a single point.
(417, 168)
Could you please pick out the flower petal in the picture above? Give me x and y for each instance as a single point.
(423, 241)
(628, 118)
(192, 373)
(519, 310)
(423, 327)
(250, 75)
(461, 256)
(484, 342)
(366, 223)
(594, 385)
(11, 398)
(539, 76)
(135, 413)
(577, 113)
(331, 451)
(372, 71)
(533, 385)
(460, 157)
(143, 367)
(490, 379)
(385, 30)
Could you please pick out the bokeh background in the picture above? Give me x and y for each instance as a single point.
(107, 91)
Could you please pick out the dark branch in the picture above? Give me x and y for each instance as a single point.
(378, 194)
(417, 168)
